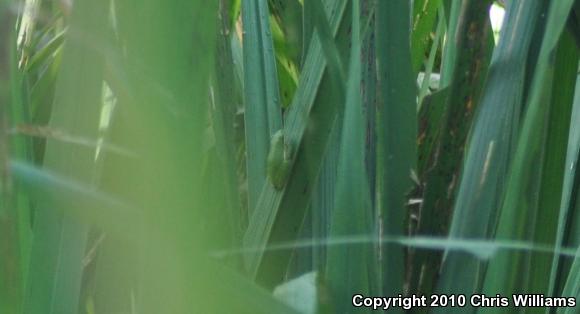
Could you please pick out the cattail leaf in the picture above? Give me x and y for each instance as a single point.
(55, 275)
(572, 287)
(347, 270)
(524, 180)
(441, 176)
(568, 229)
(396, 114)
(490, 148)
(263, 115)
(279, 213)
(424, 17)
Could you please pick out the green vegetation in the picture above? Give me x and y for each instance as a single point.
(281, 156)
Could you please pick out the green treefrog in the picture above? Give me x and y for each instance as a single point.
(279, 160)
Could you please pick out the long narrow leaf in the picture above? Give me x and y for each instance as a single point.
(523, 180)
(346, 270)
(59, 241)
(396, 131)
(263, 116)
(490, 148)
(10, 267)
(469, 72)
(282, 212)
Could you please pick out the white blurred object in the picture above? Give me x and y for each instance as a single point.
(300, 293)
(496, 15)
(433, 80)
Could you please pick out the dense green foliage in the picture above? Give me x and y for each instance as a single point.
(281, 156)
